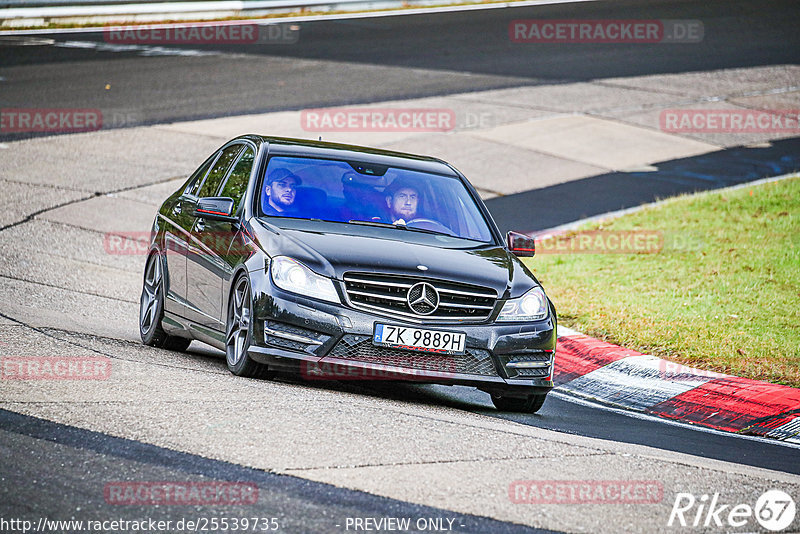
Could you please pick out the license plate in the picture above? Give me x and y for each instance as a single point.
(403, 337)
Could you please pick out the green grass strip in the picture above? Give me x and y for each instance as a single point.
(722, 294)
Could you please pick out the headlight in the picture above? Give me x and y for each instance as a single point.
(532, 306)
(291, 275)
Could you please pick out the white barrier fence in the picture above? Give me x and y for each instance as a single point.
(33, 13)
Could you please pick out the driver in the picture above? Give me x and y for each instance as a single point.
(403, 199)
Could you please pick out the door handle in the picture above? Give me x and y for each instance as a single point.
(201, 225)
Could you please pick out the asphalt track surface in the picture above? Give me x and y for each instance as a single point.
(563, 414)
(347, 62)
(578, 199)
(89, 460)
(389, 58)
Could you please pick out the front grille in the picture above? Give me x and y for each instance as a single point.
(360, 348)
(389, 294)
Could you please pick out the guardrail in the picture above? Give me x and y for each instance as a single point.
(6, 4)
(117, 11)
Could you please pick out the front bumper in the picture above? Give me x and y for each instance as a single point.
(333, 342)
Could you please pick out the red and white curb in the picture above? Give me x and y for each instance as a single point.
(602, 372)
(597, 371)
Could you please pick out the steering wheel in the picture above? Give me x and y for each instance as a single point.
(429, 224)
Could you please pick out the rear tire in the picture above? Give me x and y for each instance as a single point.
(529, 404)
(151, 309)
(239, 333)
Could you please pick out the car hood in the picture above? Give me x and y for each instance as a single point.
(333, 255)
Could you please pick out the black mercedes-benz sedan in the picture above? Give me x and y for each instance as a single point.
(343, 262)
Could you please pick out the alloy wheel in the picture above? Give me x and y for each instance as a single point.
(151, 289)
(238, 323)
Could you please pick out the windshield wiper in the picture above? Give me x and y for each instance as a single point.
(399, 227)
(426, 231)
(374, 223)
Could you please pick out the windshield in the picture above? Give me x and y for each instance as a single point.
(337, 191)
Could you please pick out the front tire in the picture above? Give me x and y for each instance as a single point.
(151, 309)
(239, 333)
(529, 404)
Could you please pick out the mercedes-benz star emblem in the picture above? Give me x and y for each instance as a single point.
(423, 299)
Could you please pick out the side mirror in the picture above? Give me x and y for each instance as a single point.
(215, 208)
(520, 244)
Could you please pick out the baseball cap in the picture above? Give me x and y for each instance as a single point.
(282, 174)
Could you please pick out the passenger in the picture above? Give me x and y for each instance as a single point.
(279, 193)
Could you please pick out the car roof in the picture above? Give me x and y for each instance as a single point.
(288, 146)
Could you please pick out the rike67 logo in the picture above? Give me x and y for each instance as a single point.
(774, 510)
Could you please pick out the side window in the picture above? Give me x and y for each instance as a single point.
(236, 184)
(197, 177)
(218, 171)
